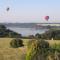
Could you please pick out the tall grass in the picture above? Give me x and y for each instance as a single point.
(8, 53)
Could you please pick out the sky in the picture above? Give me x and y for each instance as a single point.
(30, 11)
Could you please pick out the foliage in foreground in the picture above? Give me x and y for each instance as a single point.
(41, 50)
(36, 48)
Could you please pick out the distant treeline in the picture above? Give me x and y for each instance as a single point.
(4, 32)
(51, 33)
(31, 25)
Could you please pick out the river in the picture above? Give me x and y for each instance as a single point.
(27, 31)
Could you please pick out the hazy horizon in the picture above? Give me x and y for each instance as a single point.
(29, 11)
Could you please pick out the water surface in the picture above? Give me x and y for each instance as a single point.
(27, 31)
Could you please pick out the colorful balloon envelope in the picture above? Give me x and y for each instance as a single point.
(46, 18)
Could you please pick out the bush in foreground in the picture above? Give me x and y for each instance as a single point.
(41, 50)
(37, 50)
(15, 43)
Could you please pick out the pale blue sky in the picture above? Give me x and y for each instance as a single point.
(29, 10)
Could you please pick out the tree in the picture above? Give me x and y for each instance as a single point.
(2, 31)
(2, 27)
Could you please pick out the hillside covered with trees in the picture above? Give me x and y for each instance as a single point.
(4, 32)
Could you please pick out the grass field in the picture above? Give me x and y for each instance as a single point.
(5, 42)
(8, 53)
(51, 42)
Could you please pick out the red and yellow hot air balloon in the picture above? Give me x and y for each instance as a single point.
(46, 18)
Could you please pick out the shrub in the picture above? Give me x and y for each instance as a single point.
(38, 35)
(37, 49)
(31, 36)
(40, 50)
(15, 43)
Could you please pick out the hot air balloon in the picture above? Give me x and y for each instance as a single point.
(8, 9)
(46, 18)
